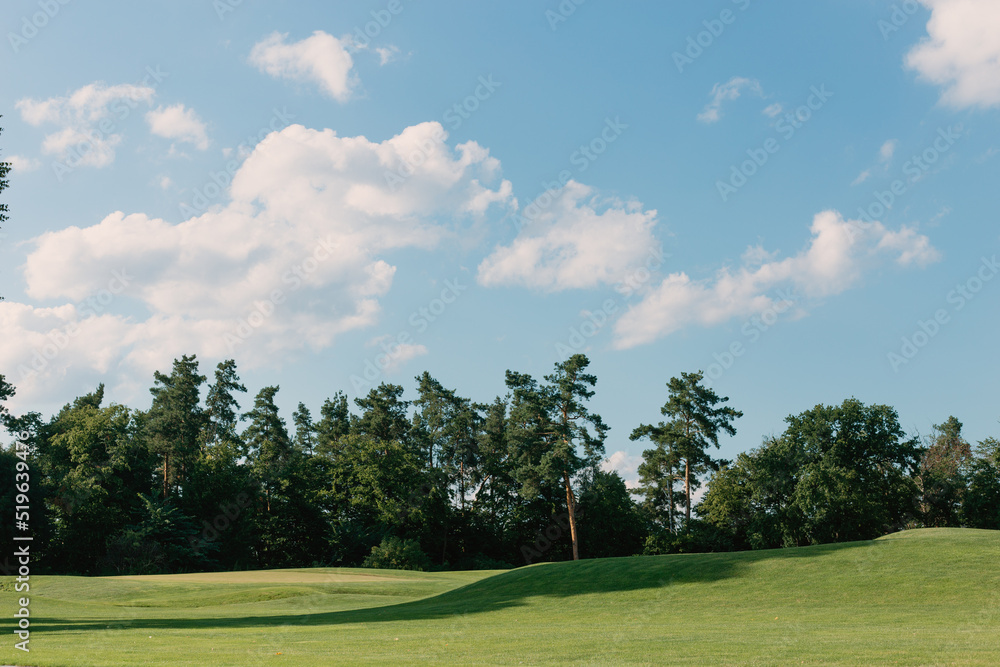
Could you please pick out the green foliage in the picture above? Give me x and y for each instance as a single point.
(223, 413)
(383, 414)
(305, 431)
(163, 539)
(552, 435)
(497, 490)
(7, 390)
(473, 485)
(838, 473)
(610, 523)
(378, 481)
(268, 444)
(176, 422)
(396, 554)
(942, 474)
(334, 424)
(981, 499)
(659, 473)
(95, 465)
(696, 418)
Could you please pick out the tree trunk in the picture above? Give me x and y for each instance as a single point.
(571, 507)
(166, 469)
(687, 492)
(670, 498)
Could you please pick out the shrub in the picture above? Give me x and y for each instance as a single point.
(396, 554)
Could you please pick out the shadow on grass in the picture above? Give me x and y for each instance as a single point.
(503, 591)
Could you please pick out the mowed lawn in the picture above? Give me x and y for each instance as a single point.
(925, 597)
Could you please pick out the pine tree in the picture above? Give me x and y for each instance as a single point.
(697, 417)
(176, 421)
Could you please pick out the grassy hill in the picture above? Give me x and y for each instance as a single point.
(915, 598)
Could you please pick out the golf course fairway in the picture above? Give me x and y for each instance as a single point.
(921, 597)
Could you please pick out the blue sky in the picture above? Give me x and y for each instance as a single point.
(795, 197)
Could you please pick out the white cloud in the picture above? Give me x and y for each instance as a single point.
(773, 110)
(310, 216)
(50, 348)
(723, 92)
(887, 150)
(180, 123)
(400, 352)
(89, 119)
(21, 163)
(625, 465)
(321, 59)
(913, 248)
(885, 154)
(574, 242)
(387, 54)
(835, 260)
(961, 52)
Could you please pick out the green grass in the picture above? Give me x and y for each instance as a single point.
(926, 597)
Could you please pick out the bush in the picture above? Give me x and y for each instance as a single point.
(396, 554)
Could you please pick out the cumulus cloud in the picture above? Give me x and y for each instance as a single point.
(21, 163)
(576, 241)
(835, 260)
(293, 260)
(88, 121)
(731, 90)
(180, 123)
(321, 59)
(626, 465)
(47, 348)
(961, 52)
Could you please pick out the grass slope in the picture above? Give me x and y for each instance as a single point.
(916, 598)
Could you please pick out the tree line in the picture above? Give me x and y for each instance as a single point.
(444, 482)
